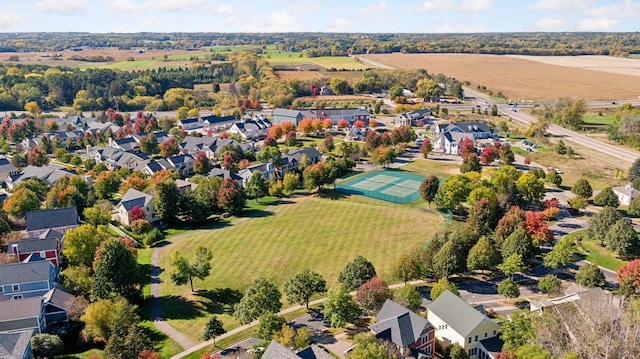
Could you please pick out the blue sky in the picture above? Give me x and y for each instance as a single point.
(318, 15)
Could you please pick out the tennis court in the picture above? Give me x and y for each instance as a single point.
(390, 186)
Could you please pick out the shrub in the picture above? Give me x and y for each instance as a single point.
(140, 226)
(154, 236)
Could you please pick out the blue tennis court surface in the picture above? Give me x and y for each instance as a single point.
(390, 186)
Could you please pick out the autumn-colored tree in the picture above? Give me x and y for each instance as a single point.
(287, 126)
(372, 141)
(316, 123)
(148, 354)
(482, 217)
(202, 164)
(372, 294)
(488, 155)
(429, 188)
(327, 145)
(383, 155)
(527, 160)
(629, 277)
(22, 201)
(169, 147)
(342, 123)
(231, 197)
(36, 157)
(327, 123)
(274, 131)
(426, 147)
(269, 142)
(466, 147)
(135, 182)
(359, 124)
(537, 228)
(51, 126)
(107, 184)
(373, 123)
(306, 126)
(136, 213)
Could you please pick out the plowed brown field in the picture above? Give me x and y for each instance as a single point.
(519, 78)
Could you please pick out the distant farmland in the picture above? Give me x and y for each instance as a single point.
(519, 78)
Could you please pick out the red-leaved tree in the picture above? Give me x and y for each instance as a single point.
(274, 131)
(137, 212)
(372, 294)
(148, 354)
(359, 123)
(537, 227)
(287, 126)
(629, 276)
(306, 126)
(342, 123)
(488, 155)
(466, 147)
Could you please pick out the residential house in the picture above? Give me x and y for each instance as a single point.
(455, 321)
(224, 174)
(574, 294)
(449, 142)
(134, 198)
(350, 114)
(48, 246)
(251, 129)
(211, 146)
(49, 173)
(276, 350)
(16, 345)
(410, 332)
(127, 144)
(56, 305)
(182, 163)
(626, 194)
(206, 123)
(57, 219)
(477, 129)
(6, 169)
(25, 280)
(414, 118)
(156, 166)
(115, 158)
(292, 160)
(184, 186)
(21, 315)
(266, 169)
(355, 134)
(160, 136)
(281, 115)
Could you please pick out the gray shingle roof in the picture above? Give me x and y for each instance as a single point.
(314, 352)
(6, 166)
(133, 198)
(398, 324)
(276, 350)
(58, 297)
(457, 313)
(17, 273)
(20, 309)
(35, 244)
(14, 345)
(52, 218)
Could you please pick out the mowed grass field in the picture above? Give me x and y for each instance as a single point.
(314, 232)
(519, 78)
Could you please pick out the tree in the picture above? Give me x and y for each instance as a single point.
(103, 317)
(457, 351)
(561, 254)
(601, 222)
(356, 272)
(622, 239)
(470, 163)
(32, 107)
(512, 264)
(37, 157)
(339, 86)
(629, 277)
(183, 271)
(560, 148)
(81, 244)
(488, 155)
(537, 227)
(576, 203)
(518, 331)
(115, 272)
(269, 324)
(508, 289)
(148, 354)
(442, 285)
(512, 220)
(166, 198)
(261, 297)
(269, 154)
(589, 275)
(22, 201)
(482, 216)
(466, 147)
(383, 155)
(128, 342)
(531, 188)
(426, 147)
(231, 197)
(634, 207)
(290, 182)
(483, 256)
(213, 329)
(149, 144)
(448, 260)
(408, 296)
(554, 178)
(550, 284)
(77, 280)
(340, 307)
(97, 215)
(372, 294)
(606, 197)
(406, 268)
(257, 186)
(634, 170)
(169, 147)
(429, 188)
(518, 242)
(582, 188)
(303, 285)
(46, 345)
(367, 346)
(137, 213)
(107, 184)
(202, 164)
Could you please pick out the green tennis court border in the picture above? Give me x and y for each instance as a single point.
(386, 185)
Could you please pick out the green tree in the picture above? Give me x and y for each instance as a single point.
(183, 271)
(366, 346)
(554, 178)
(560, 148)
(470, 163)
(533, 352)
(517, 331)
(634, 170)
(606, 197)
(165, 199)
(453, 192)
(508, 289)
(269, 324)
(46, 345)
(257, 186)
(261, 297)
(589, 275)
(634, 207)
(429, 188)
(107, 184)
(531, 188)
(303, 285)
(339, 86)
(601, 222)
(622, 239)
(103, 317)
(550, 284)
(582, 188)
(213, 329)
(169, 148)
(408, 296)
(561, 254)
(483, 256)
(457, 352)
(291, 182)
(97, 215)
(149, 144)
(448, 260)
(77, 280)
(512, 264)
(442, 285)
(577, 203)
(482, 218)
(22, 201)
(115, 272)
(518, 242)
(406, 268)
(356, 272)
(340, 308)
(81, 244)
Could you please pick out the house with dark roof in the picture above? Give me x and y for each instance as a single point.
(115, 158)
(251, 129)
(25, 280)
(156, 166)
(276, 350)
(49, 173)
(56, 305)
(16, 345)
(185, 185)
(182, 163)
(449, 142)
(224, 174)
(48, 246)
(131, 199)
(455, 321)
(294, 157)
(414, 118)
(266, 169)
(57, 219)
(206, 123)
(21, 315)
(411, 333)
(160, 136)
(477, 129)
(127, 144)
(6, 169)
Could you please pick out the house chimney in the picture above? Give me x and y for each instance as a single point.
(14, 250)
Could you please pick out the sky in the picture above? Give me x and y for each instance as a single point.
(386, 16)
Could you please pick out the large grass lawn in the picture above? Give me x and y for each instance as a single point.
(303, 232)
(597, 254)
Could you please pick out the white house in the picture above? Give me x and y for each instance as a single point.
(131, 199)
(626, 194)
(456, 321)
(449, 142)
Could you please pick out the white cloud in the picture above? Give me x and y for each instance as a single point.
(180, 5)
(340, 25)
(276, 21)
(223, 9)
(626, 9)
(126, 8)
(559, 4)
(9, 17)
(377, 9)
(464, 5)
(436, 5)
(599, 24)
(62, 7)
(549, 24)
(475, 5)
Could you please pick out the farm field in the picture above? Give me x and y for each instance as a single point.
(350, 76)
(303, 232)
(610, 64)
(518, 78)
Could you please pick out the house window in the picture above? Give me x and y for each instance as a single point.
(485, 334)
(16, 287)
(469, 340)
(428, 350)
(476, 338)
(17, 296)
(494, 333)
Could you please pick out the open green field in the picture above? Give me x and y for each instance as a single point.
(281, 57)
(592, 118)
(303, 232)
(597, 254)
(442, 169)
